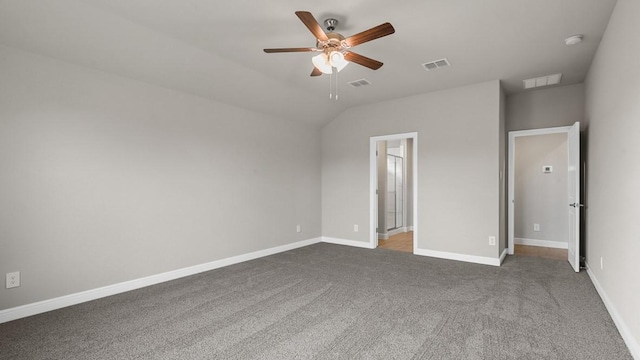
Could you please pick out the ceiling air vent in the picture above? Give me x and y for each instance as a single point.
(542, 81)
(436, 64)
(359, 83)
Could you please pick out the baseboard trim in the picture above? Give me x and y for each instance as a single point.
(346, 242)
(459, 257)
(397, 231)
(387, 235)
(94, 294)
(624, 331)
(503, 255)
(543, 243)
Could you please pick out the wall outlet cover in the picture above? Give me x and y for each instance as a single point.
(492, 240)
(355, 228)
(13, 279)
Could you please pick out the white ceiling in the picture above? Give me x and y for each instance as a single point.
(213, 48)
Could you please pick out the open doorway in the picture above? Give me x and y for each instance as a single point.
(393, 178)
(544, 187)
(541, 225)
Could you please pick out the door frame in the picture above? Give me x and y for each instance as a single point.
(511, 177)
(373, 185)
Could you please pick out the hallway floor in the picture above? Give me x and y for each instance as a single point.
(400, 242)
(543, 252)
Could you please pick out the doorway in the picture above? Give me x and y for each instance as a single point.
(544, 187)
(394, 189)
(393, 179)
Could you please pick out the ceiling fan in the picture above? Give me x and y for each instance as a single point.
(334, 47)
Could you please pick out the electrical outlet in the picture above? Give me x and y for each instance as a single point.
(601, 263)
(536, 227)
(298, 228)
(13, 279)
(355, 228)
(492, 240)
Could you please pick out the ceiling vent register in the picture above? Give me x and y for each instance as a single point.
(436, 64)
(359, 83)
(542, 81)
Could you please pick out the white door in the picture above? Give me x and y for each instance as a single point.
(573, 142)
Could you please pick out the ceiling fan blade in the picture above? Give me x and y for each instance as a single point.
(312, 25)
(316, 72)
(362, 60)
(371, 34)
(282, 50)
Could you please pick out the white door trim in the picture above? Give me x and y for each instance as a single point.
(373, 184)
(511, 185)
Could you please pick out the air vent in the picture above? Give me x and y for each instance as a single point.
(359, 83)
(436, 64)
(542, 81)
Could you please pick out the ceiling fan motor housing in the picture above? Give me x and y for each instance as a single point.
(334, 43)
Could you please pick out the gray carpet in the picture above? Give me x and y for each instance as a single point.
(335, 302)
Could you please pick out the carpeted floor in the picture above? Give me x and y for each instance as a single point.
(334, 302)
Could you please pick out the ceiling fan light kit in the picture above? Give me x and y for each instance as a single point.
(321, 62)
(325, 62)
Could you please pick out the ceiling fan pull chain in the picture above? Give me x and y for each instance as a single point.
(330, 87)
(336, 84)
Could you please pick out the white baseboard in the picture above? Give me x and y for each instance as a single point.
(397, 231)
(627, 336)
(459, 257)
(354, 243)
(386, 235)
(93, 294)
(543, 243)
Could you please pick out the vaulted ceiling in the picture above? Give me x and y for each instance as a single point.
(213, 49)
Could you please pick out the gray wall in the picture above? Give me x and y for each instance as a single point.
(105, 179)
(541, 198)
(613, 171)
(458, 167)
(545, 108)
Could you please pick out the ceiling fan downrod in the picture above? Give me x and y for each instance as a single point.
(330, 24)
